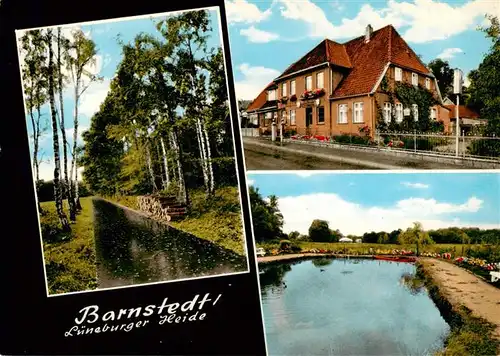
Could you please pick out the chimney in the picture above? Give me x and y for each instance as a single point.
(368, 33)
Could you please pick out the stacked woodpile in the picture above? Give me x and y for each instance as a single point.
(162, 208)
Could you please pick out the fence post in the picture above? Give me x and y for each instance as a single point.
(463, 143)
(415, 140)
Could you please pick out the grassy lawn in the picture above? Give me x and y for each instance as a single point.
(70, 257)
(217, 220)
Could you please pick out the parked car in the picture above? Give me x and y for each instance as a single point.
(260, 252)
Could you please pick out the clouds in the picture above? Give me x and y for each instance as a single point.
(415, 185)
(420, 21)
(353, 218)
(93, 97)
(449, 53)
(255, 78)
(241, 11)
(258, 36)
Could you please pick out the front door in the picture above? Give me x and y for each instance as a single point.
(309, 117)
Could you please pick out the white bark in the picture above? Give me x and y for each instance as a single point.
(209, 160)
(201, 145)
(165, 163)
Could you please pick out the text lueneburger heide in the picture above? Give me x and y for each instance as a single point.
(91, 320)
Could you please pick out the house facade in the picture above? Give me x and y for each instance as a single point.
(349, 88)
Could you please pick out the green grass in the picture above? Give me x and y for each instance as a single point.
(69, 257)
(469, 335)
(217, 220)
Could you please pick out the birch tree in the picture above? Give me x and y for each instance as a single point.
(35, 89)
(61, 44)
(55, 136)
(80, 55)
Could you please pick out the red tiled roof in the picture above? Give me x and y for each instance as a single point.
(336, 54)
(260, 100)
(463, 112)
(365, 62)
(369, 60)
(325, 51)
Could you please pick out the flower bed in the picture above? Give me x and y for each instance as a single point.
(477, 262)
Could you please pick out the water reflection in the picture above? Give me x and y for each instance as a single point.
(347, 307)
(132, 249)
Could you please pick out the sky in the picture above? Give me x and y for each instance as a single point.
(356, 203)
(105, 35)
(266, 36)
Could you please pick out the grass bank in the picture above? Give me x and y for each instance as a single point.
(69, 257)
(469, 335)
(217, 219)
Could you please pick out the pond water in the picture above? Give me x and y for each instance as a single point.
(347, 307)
(133, 249)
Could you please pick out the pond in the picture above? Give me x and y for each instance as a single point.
(133, 249)
(347, 307)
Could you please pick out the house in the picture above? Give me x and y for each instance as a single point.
(347, 88)
(264, 108)
(469, 118)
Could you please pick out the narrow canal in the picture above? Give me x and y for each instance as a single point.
(347, 307)
(133, 249)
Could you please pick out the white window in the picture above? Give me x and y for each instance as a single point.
(320, 80)
(292, 117)
(433, 113)
(283, 89)
(399, 112)
(283, 116)
(292, 87)
(427, 83)
(398, 74)
(269, 115)
(387, 112)
(309, 82)
(414, 108)
(271, 95)
(342, 114)
(414, 79)
(358, 113)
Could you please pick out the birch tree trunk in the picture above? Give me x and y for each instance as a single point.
(183, 193)
(165, 164)
(55, 140)
(209, 159)
(72, 213)
(201, 145)
(150, 166)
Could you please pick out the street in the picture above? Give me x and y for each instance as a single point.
(263, 155)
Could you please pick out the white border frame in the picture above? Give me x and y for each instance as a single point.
(19, 33)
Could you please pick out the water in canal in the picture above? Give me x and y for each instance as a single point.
(132, 249)
(347, 307)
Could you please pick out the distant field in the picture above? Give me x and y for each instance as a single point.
(364, 248)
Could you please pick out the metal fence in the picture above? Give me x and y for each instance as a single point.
(250, 132)
(464, 146)
(437, 143)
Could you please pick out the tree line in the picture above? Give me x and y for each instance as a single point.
(268, 226)
(484, 88)
(54, 61)
(164, 126)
